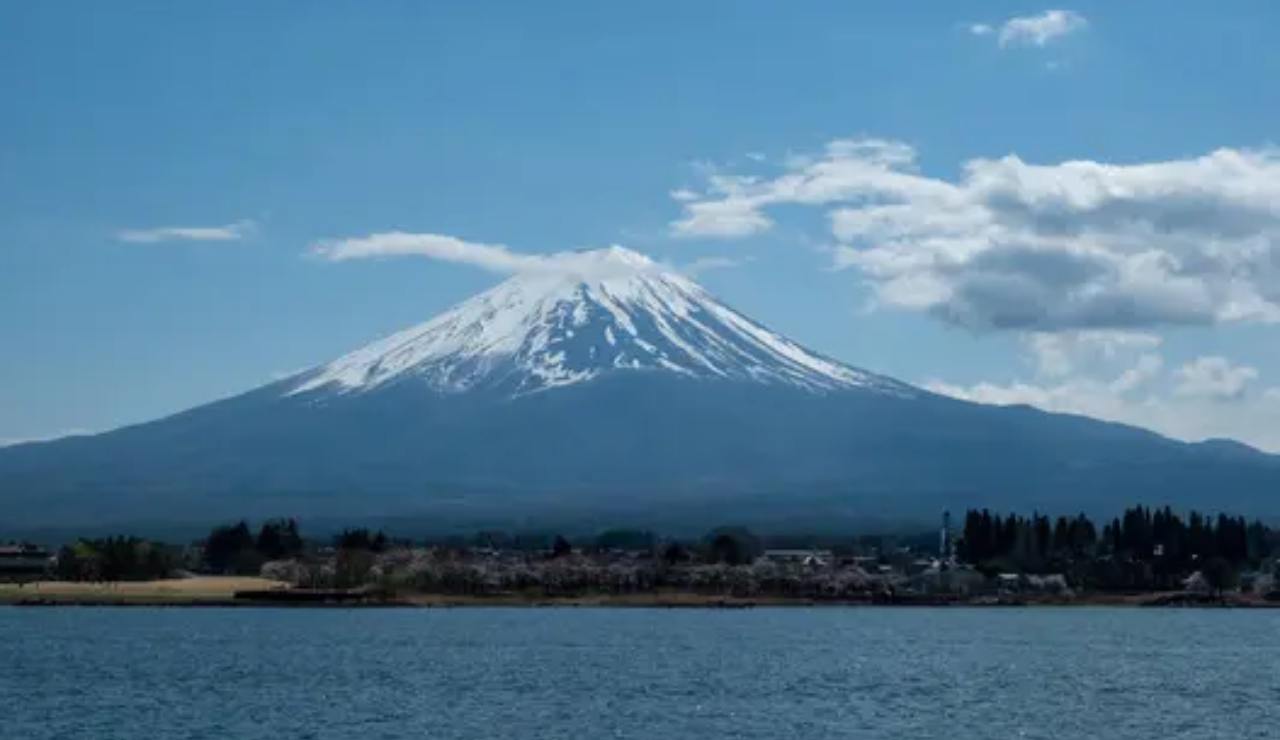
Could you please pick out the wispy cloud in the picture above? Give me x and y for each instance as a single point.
(226, 233)
(596, 263)
(499, 258)
(1031, 30)
(703, 265)
(1214, 377)
(1064, 353)
(1210, 396)
(492, 257)
(1015, 245)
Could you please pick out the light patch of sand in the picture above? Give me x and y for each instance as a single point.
(183, 589)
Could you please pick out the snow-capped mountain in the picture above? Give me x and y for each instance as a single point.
(614, 393)
(617, 312)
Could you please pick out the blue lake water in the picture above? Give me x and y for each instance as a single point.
(604, 673)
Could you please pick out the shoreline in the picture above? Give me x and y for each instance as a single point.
(232, 592)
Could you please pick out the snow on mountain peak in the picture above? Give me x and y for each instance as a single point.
(599, 311)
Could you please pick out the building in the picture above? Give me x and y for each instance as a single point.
(814, 558)
(23, 562)
(946, 545)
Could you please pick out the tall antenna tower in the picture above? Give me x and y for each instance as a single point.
(944, 539)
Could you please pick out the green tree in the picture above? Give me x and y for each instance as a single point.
(732, 545)
(278, 539)
(361, 539)
(674, 553)
(1220, 574)
(115, 559)
(351, 567)
(231, 549)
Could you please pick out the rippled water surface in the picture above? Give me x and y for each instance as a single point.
(598, 673)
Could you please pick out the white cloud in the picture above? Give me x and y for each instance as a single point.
(1140, 394)
(229, 232)
(1032, 30)
(1214, 378)
(1060, 354)
(1064, 397)
(501, 259)
(492, 257)
(593, 263)
(1146, 370)
(706, 264)
(731, 216)
(1014, 245)
(733, 205)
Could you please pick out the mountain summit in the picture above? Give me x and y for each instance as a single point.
(606, 390)
(613, 311)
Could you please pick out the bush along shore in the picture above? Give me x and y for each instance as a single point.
(1144, 557)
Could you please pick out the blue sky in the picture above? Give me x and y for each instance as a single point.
(1138, 284)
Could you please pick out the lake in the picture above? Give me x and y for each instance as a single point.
(639, 673)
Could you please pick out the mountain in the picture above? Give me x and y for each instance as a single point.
(617, 312)
(608, 391)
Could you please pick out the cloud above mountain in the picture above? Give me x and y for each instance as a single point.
(492, 257)
(587, 263)
(499, 258)
(1010, 244)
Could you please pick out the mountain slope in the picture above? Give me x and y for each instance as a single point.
(617, 312)
(516, 409)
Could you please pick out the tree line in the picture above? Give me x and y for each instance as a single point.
(234, 549)
(116, 559)
(1144, 548)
